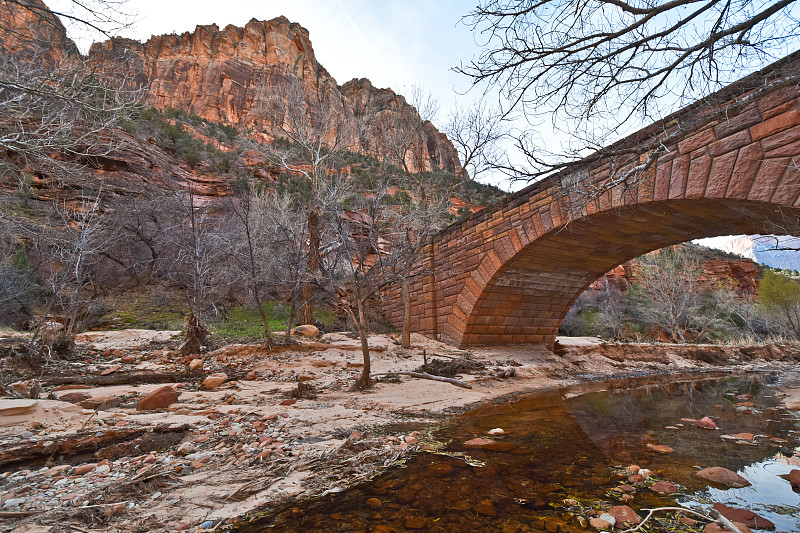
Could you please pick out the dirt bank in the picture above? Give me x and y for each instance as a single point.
(282, 424)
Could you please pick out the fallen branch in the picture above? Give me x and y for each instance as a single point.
(16, 514)
(422, 375)
(119, 378)
(721, 520)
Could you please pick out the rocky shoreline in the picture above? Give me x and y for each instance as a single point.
(243, 429)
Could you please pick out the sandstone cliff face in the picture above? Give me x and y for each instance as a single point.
(744, 274)
(218, 75)
(34, 31)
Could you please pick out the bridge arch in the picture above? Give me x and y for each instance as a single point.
(509, 273)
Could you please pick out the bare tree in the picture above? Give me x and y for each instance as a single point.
(70, 249)
(284, 224)
(97, 17)
(597, 67)
(251, 244)
(780, 298)
(193, 266)
(670, 279)
(313, 122)
(353, 249)
(17, 286)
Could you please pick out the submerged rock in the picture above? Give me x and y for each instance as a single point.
(744, 516)
(660, 448)
(722, 476)
(664, 487)
(716, 528)
(623, 515)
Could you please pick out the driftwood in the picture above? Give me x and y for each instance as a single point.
(83, 442)
(423, 375)
(118, 378)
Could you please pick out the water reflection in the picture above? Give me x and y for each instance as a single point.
(561, 459)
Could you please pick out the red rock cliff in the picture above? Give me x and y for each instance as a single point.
(217, 74)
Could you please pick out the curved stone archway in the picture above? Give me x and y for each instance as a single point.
(509, 273)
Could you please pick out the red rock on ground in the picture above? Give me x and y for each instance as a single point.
(624, 515)
(706, 423)
(745, 516)
(722, 476)
(84, 469)
(215, 380)
(111, 370)
(158, 399)
(75, 397)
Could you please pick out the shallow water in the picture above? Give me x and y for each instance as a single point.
(561, 460)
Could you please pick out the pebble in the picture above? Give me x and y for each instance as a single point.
(84, 469)
(102, 469)
(208, 524)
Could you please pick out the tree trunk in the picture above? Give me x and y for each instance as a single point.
(364, 382)
(267, 332)
(406, 340)
(307, 312)
(289, 323)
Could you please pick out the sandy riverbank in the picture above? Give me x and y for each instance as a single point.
(215, 454)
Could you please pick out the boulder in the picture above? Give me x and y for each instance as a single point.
(195, 364)
(794, 479)
(706, 423)
(158, 399)
(722, 476)
(744, 516)
(306, 330)
(215, 380)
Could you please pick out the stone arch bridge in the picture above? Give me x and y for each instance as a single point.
(729, 164)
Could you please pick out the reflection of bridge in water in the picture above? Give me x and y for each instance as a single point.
(729, 164)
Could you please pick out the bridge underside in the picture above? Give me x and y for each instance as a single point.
(528, 297)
